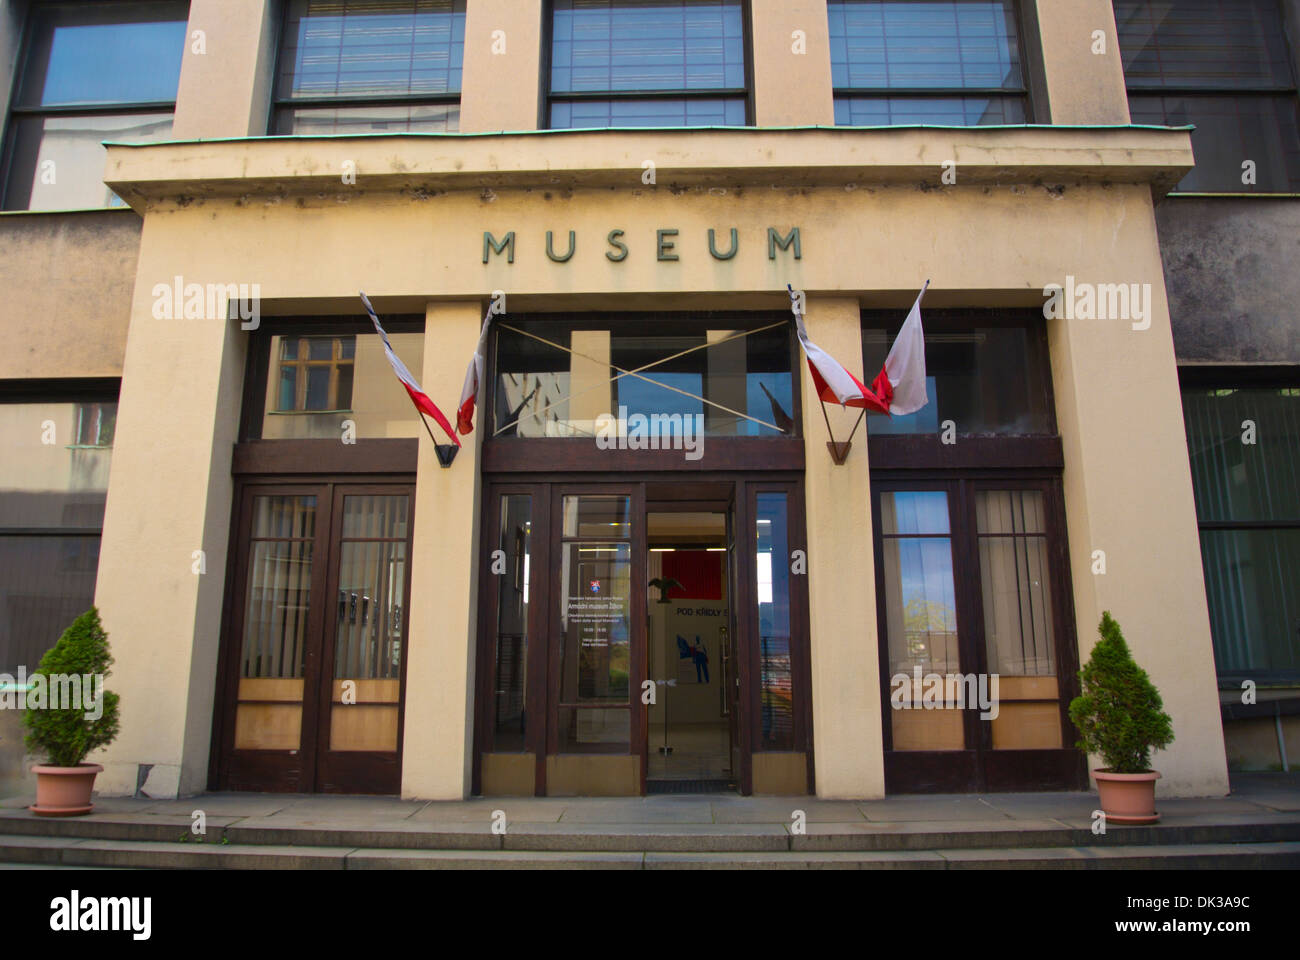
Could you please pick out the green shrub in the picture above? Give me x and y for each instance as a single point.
(65, 735)
(1120, 715)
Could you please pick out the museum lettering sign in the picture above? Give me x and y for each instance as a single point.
(665, 245)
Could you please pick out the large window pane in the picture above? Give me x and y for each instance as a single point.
(1230, 130)
(920, 618)
(601, 45)
(554, 378)
(690, 47)
(54, 472)
(364, 711)
(986, 380)
(1203, 44)
(959, 48)
(1015, 582)
(1241, 443)
(920, 596)
(1235, 480)
(370, 52)
(897, 43)
(103, 53)
(46, 582)
(1252, 583)
(317, 382)
(363, 48)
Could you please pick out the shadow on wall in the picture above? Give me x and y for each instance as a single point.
(16, 778)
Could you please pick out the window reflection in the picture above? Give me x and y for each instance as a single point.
(316, 382)
(986, 379)
(773, 596)
(555, 378)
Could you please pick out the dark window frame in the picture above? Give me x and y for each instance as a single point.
(1244, 377)
(548, 96)
(282, 107)
(1024, 92)
(15, 112)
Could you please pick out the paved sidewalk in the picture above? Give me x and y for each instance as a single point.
(1255, 798)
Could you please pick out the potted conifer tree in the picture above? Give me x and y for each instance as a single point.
(1121, 718)
(67, 732)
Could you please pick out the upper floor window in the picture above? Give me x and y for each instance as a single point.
(1224, 67)
(647, 63)
(370, 66)
(90, 72)
(955, 63)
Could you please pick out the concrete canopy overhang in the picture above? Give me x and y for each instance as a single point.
(313, 168)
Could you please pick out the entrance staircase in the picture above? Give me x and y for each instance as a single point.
(667, 832)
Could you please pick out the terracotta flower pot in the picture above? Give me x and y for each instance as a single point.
(1127, 797)
(64, 791)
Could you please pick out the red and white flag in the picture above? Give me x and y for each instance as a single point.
(417, 394)
(899, 388)
(473, 377)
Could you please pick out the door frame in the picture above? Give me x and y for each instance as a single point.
(224, 762)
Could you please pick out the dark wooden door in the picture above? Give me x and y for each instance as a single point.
(975, 638)
(314, 653)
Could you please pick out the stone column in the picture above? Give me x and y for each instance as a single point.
(438, 727)
(847, 735)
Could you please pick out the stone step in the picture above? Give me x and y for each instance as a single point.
(661, 837)
(75, 852)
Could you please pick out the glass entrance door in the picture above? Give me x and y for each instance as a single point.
(568, 639)
(314, 655)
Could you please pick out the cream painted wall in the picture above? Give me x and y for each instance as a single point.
(225, 90)
(1128, 493)
(169, 494)
(501, 78)
(438, 727)
(848, 749)
(1082, 86)
(68, 280)
(791, 88)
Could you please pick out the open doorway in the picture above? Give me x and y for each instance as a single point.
(690, 633)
